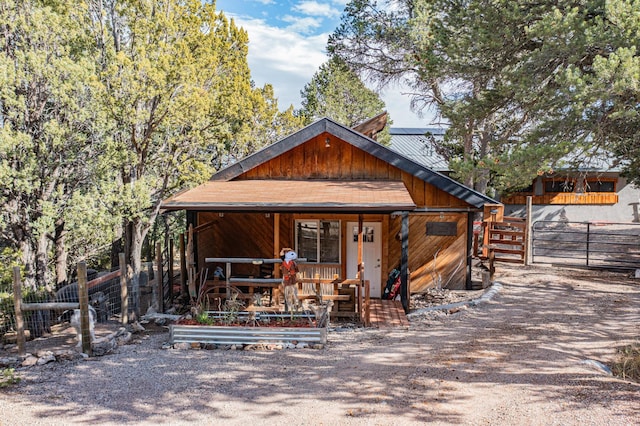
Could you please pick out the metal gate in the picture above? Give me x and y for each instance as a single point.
(591, 244)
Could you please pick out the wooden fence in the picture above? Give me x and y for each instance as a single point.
(82, 304)
(507, 239)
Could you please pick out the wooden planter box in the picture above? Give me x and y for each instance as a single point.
(230, 335)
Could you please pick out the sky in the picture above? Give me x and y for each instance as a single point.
(287, 45)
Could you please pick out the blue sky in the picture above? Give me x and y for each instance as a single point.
(287, 42)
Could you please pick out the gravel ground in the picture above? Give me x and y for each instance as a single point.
(524, 357)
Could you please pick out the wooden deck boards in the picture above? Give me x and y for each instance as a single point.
(387, 314)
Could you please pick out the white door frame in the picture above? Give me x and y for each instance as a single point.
(371, 254)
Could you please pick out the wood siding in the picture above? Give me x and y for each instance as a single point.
(251, 234)
(313, 160)
(567, 198)
(450, 262)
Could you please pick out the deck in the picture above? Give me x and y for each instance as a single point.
(387, 314)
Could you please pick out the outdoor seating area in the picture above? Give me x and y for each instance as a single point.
(350, 297)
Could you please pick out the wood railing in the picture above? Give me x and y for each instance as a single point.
(507, 239)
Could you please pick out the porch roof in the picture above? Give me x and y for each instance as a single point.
(294, 196)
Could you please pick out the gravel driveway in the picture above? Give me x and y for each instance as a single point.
(520, 358)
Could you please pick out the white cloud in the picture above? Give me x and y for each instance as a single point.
(315, 8)
(287, 60)
(302, 25)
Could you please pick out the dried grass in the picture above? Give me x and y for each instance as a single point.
(628, 365)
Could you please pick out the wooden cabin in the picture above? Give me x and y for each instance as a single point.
(348, 205)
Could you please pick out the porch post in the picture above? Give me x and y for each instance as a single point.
(276, 242)
(360, 268)
(275, 293)
(404, 262)
(468, 283)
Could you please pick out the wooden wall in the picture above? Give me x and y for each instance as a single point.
(251, 234)
(313, 160)
(450, 262)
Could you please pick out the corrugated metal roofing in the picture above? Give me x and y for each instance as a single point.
(417, 144)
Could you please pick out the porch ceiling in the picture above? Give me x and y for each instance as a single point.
(294, 196)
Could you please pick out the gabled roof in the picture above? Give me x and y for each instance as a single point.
(358, 140)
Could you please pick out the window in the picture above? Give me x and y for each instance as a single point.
(600, 186)
(367, 234)
(560, 185)
(318, 240)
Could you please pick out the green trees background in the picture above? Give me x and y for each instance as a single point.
(107, 107)
(523, 85)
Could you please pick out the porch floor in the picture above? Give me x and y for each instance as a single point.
(387, 314)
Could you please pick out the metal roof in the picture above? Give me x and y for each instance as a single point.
(417, 144)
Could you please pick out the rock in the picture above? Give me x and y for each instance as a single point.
(123, 339)
(66, 355)
(302, 345)
(317, 346)
(9, 362)
(29, 361)
(137, 328)
(103, 346)
(182, 346)
(47, 357)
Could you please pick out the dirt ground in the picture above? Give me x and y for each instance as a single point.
(527, 356)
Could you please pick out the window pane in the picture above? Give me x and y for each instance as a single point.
(307, 235)
(559, 186)
(597, 186)
(329, 241)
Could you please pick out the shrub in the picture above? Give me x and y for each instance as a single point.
(628, 365)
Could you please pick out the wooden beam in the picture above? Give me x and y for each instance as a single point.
(17, 303)
(83, 299)
(404, 261)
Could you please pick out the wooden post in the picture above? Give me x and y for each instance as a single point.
(159, 278)
(527, 232)
(404, 262)
(124, 291)
(170, 268)
(367, 303)
(360, 240)
(275, 292)
(17, 303)
(83, 299)
(183, 267)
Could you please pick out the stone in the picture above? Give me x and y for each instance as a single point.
(46, 359)
(182, 346)
(30, 361)
(9, 362)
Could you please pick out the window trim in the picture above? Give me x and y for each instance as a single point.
(318, 248)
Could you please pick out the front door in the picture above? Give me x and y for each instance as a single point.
(371, 253)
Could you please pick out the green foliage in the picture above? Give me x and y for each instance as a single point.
(338, 93)
(523, 86)
(106, 108)
(8, 378)
(8, 260)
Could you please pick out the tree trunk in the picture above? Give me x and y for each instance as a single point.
(28, 260)
(42, 261)
(61, 255)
